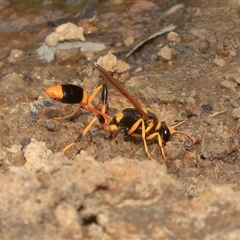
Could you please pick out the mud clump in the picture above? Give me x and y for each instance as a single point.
(116, 199)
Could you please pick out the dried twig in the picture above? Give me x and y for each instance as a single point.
(217, 113)
(158, 33)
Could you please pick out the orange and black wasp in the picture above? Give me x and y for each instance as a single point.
(134, 121)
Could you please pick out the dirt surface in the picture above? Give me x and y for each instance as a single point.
(107, 188)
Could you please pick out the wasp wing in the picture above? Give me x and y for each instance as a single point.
(119, 87)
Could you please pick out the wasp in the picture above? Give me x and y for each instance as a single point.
(134, 121)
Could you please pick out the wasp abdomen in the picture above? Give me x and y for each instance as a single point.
(72, 94)
(68, 93)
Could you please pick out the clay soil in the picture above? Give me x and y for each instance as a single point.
(106, 187)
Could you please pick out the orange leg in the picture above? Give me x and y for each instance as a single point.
(134, 128)
(84, 132)
(160, 143)
(69, 115)
(88, 127)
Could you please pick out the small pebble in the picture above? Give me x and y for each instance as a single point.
(67, 56)
(226, 49)
(110, 63)
(15, 55)
(166, 53)
(219, 62)
(51, 125)
(128, 41)
(236, 113)
(229, 85)
(89, 55)
(88, 24)
(206, 108)
(173, 37)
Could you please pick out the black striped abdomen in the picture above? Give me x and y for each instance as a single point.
(72, 93)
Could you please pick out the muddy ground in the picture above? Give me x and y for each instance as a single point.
(107, 189)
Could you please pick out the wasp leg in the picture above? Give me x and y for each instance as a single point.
(134, 128)
(103, 110)
(84, 132)
(160, 143)
(93, 95)
(102, 113)
(173, 130)
(69, 115)
(150, 137)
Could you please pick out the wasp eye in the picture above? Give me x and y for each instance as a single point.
(164, 132)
